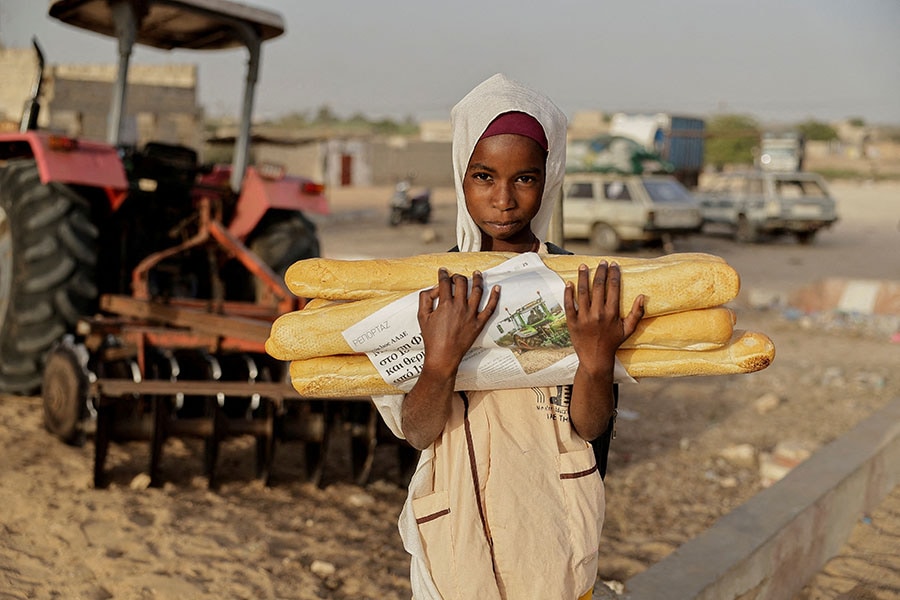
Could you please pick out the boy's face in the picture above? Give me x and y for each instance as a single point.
(503, 186)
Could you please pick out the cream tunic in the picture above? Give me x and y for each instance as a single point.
(530, 528)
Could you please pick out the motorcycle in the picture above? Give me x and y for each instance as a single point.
(409, 208)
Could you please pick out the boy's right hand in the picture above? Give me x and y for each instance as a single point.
(450, 328)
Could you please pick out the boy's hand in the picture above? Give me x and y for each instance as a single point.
(450, 328)
(592, 316)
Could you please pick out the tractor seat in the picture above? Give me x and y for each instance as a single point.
(170, 165)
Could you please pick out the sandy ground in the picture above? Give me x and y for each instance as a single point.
(667, 480)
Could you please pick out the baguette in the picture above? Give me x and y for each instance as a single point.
(314, 303)
(315, 332)
(353, 375)
(701, 329)
(359, 279)
(747, 352)
(670, 284)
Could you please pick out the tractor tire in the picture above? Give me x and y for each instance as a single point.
(48, 258)
(282, 242)
(65, 392)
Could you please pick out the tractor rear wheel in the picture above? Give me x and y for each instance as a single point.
(280, 239)
(282, 242)
(48, 257)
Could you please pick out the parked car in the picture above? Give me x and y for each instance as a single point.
(757, 203)
(612, 210)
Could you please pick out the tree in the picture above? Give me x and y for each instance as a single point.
(325, 116)
(293, 120)
(816, 130)
(731, 140)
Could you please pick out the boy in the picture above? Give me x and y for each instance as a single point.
(506, 501)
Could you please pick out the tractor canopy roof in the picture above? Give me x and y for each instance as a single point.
(168, 24)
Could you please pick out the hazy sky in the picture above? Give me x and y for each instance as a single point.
(777, 60)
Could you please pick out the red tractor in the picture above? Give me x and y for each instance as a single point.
(136, 286)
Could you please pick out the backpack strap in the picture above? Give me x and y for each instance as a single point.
(601, 444)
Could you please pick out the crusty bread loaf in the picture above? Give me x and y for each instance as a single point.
(670, 284)
(313, 303)
(315, 332)
(747, 352)
(701, 329)
(353, 375)
(687, 273)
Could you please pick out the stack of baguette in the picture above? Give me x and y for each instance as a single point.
(686, 329)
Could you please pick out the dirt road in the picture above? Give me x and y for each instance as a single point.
(667, 479)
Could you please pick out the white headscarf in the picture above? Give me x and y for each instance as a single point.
(471, 116)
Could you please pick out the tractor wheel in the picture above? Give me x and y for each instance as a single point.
(48, 256)
(64, 390)
(604, 239)
(281, 239)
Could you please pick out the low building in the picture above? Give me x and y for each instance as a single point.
(161, 103)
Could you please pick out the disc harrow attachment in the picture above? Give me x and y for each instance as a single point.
(151, 371)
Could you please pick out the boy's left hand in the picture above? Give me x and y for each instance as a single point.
(593, 316)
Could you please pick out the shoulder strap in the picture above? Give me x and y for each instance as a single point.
(554, 249)
(601, 444)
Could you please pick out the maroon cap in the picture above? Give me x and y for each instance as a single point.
(518, 123)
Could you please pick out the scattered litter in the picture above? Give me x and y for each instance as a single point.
(870, 325)
(785, 456)
(766, 403)
(322, 569)
(740, 455)
(141, 481)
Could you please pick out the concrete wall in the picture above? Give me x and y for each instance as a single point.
(363, 161)
(165, 114)
(429, 162)
(19, 68)
(768, 548)
(161, 103)
(877, 157)
(304, 160)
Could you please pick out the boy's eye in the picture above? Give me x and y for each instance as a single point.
(481, 176)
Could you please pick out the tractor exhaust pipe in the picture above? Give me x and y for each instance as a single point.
(32, 109)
